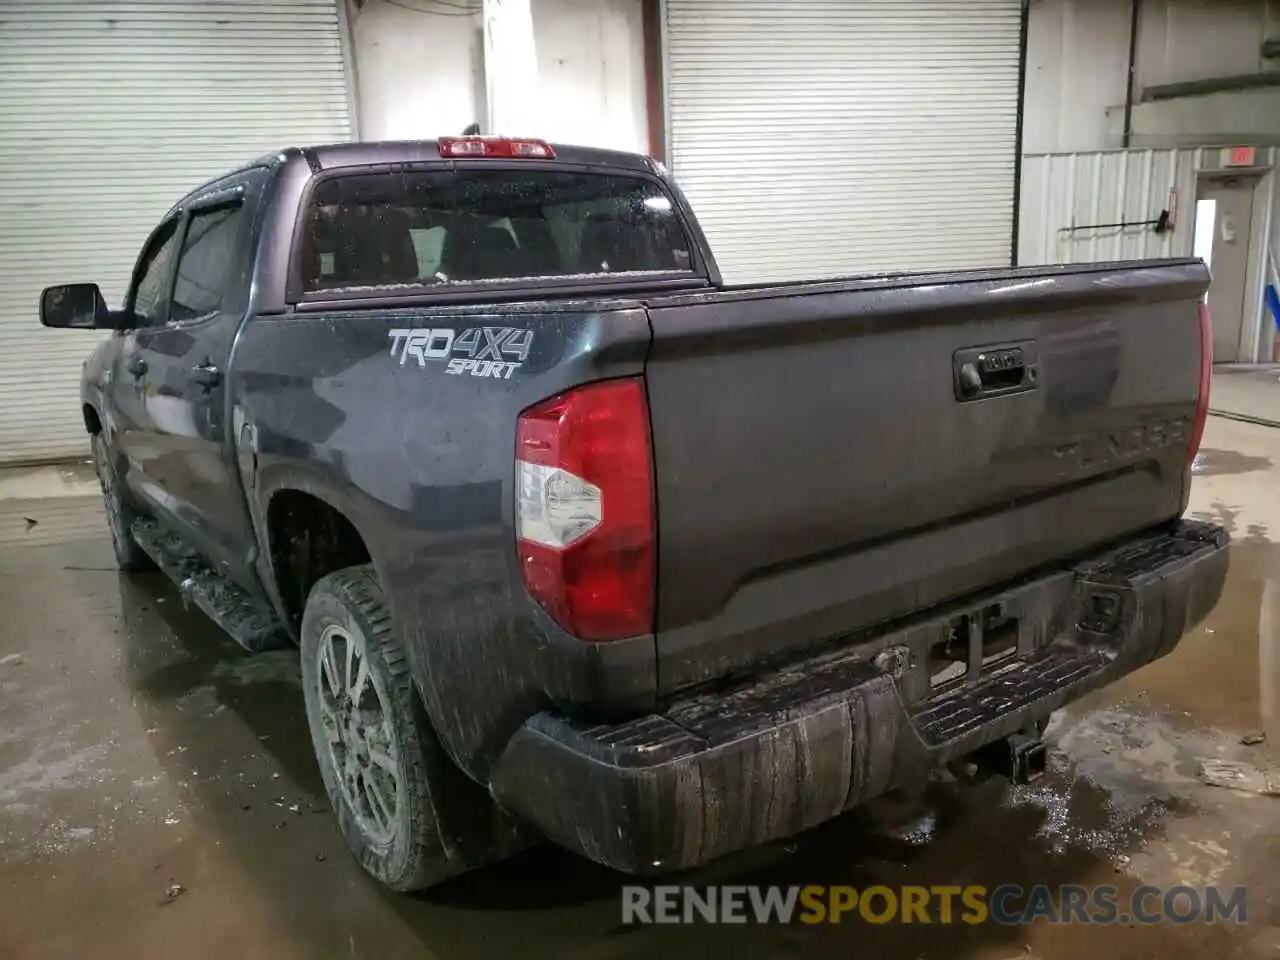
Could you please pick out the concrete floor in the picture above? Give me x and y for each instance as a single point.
(139, 750)
(1249, 392)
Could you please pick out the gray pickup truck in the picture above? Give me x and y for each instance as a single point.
(579, 543)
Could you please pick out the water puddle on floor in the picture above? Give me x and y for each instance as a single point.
(1226, 672)
(1210, 463)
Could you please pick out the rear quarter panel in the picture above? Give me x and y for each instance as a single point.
(421, 461)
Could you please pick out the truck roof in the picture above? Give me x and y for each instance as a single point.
(362, 153)
(331, 155)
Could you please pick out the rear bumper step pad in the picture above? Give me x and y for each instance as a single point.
(721, 771)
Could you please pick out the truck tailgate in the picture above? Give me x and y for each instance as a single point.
(832, 456)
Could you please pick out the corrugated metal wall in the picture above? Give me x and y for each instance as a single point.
(1062, 190)
(1065, 190)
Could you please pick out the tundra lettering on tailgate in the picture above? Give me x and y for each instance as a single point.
(479, 351)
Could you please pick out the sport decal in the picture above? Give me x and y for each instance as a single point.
(476, 351)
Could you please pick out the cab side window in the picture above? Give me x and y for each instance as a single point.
(208, 279)
(149, 298)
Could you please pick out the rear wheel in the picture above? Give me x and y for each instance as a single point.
(373, 742)
(119, 512)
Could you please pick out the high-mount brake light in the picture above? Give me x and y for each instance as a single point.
(1206, 377)
(584, 509)
(500, 147)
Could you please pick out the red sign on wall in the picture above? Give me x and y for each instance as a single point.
(1240, 157)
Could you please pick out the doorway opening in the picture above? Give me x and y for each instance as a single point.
(1224, 239)
(1206, 219)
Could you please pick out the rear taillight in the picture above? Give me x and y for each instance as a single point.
(1206, 376)
(495, 147)
(584, 509)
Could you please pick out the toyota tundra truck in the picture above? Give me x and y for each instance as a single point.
(579, 543)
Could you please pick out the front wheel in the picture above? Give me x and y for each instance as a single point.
(372, 739)
(120, 514)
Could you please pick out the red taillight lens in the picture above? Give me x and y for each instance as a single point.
(584, 509)
(495, 147)
(1206, 377)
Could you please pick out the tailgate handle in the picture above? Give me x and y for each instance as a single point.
(981, 372)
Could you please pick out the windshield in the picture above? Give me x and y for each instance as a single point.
(380, 229)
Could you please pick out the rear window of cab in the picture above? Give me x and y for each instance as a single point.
(372, 229)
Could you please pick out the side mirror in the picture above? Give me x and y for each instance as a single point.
(75, 305)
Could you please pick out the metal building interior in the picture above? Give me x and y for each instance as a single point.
(827, 139)
(159, 793)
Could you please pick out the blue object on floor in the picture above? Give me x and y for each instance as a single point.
(1273, 303)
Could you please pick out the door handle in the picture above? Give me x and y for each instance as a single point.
(207, 375)
(136, 366)
(982, 372)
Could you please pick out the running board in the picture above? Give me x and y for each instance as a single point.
(249, 621)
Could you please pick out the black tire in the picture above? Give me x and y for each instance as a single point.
(119, 511)
(402, 848)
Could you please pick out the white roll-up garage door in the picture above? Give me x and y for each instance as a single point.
(109, 113)
(819, 138)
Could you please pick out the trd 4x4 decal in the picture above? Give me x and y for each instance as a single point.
(479, 351)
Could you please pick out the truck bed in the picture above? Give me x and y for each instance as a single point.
(821, 469)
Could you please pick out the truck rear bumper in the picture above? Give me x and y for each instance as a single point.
(721, 771)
